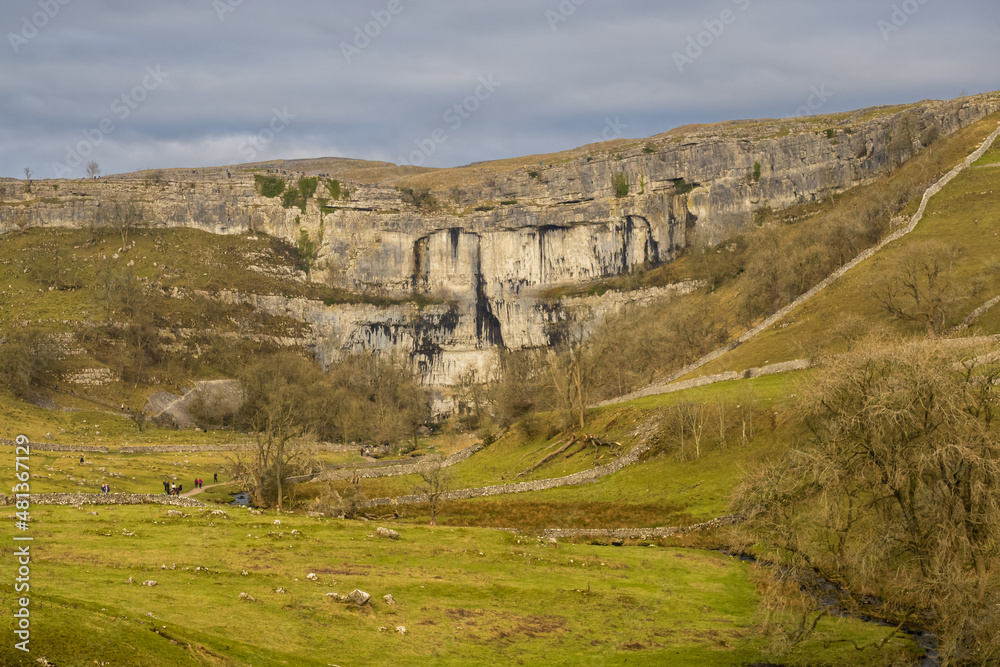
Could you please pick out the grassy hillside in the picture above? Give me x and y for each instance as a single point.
(146, 310)
(962, 221)
(787, 253)
(673, 484)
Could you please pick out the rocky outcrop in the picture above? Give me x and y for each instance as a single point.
(500, 235)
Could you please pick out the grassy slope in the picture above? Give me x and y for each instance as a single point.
(170, 266)
(965, 214)
(466, 596)
(665, 490)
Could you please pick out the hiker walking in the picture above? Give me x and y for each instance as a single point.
(173, 489)
(216, 477)
(166, 487)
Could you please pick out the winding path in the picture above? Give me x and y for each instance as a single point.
(194, 492)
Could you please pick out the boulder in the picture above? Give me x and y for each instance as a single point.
(387, 533)
(358, 597)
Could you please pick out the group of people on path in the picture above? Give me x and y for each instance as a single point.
(172, 489)
(105, 488)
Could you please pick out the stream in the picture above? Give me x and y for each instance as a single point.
(829, 597)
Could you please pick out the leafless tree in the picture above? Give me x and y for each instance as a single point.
(923, 289)
(122, 214)
(93, 169)
(897, 494)
(22, 219)
(27, 180)
(282, 393)
(435, 482)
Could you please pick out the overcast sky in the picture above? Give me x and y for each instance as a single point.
(137, 84)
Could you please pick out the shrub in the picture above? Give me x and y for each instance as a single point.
(421, 198)
(682, 187)
(307, 186)
(269, 186)
(290, 198)
(756, 172)
(620, 184)
(333, 187)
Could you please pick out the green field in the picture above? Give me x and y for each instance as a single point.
(465, 596)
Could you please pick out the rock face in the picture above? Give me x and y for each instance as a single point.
(501, 235)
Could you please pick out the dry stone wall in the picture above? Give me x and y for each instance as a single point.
(584, 477)
(621, 534)
(106, 499)
(50, 447)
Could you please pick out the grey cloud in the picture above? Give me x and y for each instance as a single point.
(560, 87)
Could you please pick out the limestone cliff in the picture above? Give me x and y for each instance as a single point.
(491, 237)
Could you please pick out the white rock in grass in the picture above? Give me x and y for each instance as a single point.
(149, 582)
(311, 577)
(358, 597)
(401, 629)
(389, 600)
(385, 532)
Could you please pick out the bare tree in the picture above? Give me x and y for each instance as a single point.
(27, 180)
(24, 358)
(435, 482)
(93, 169)
(569, 371)
(123, 215)
(22, 219)
(283, 393)
(697, 415)
(897, 494)
(922, 289)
